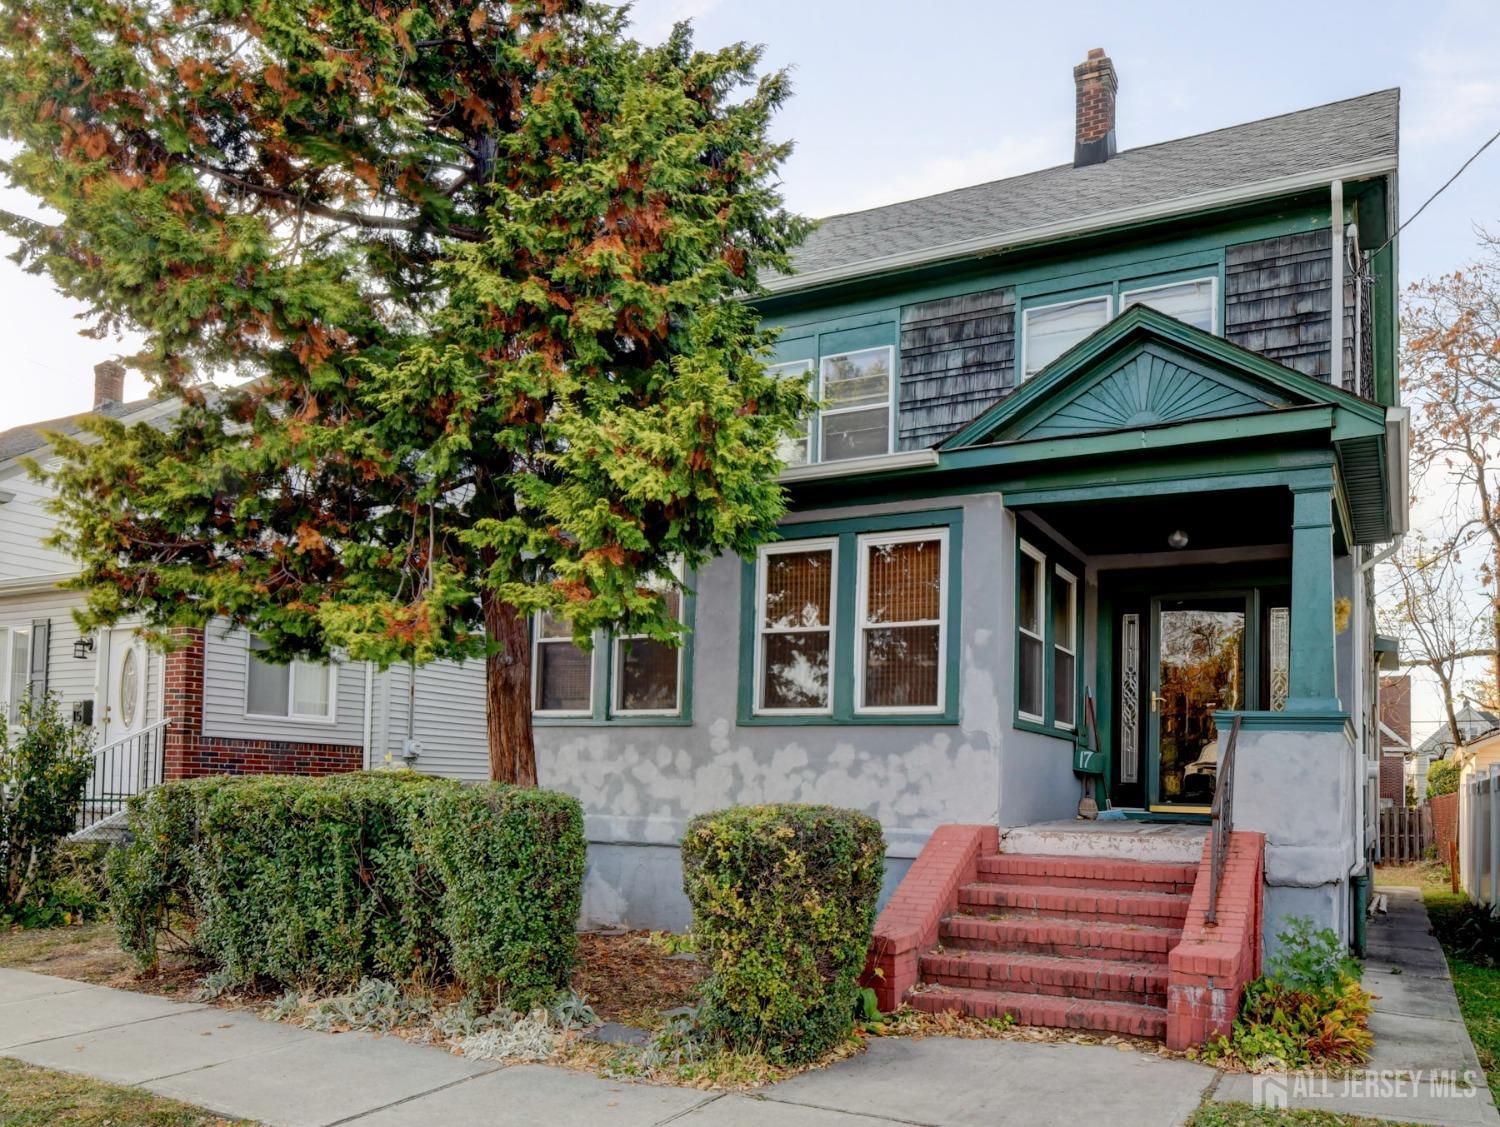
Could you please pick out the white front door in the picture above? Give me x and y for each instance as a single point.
(117, 773)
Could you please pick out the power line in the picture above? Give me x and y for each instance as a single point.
(1461, 169)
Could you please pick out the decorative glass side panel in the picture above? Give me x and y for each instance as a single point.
(1281, 656)
(1130, 698)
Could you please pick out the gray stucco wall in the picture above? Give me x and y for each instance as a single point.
(640, 784)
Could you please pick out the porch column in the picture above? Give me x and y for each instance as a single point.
(1312, 676)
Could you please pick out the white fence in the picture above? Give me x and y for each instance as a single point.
(1479, 836)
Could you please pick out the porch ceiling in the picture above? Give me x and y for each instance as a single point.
(1230, 519)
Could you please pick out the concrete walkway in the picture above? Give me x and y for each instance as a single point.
(1423, 1068)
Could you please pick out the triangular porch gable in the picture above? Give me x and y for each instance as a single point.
(1145, 369)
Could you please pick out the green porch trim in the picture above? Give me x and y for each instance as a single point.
(844, 635)
(1312, 684)
(1331, 720)
(601, 685)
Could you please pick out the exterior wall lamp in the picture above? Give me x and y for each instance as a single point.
(83, 647)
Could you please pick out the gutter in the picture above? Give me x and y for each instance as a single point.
(1046, 232)
(1336, 285)
(35, 584)
(854, 467)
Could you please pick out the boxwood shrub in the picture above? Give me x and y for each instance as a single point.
(783, 907)
(319, 882)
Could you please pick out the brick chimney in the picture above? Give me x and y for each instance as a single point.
(109, 383)
(1096, 83)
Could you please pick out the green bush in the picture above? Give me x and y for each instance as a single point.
(323, 882)
(43, 770)
(783, 907)
(1442, 777)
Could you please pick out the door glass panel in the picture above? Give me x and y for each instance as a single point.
(1201, 670)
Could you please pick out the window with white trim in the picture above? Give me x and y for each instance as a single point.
(562, 671)
(854, 418)
(15, 670)
(902, 605)
(1064, 648)
(1194, 302)
(1050, 330)
(646, 673)
(299, 690)
(795, 449)
(1031, 571)
(794, 627)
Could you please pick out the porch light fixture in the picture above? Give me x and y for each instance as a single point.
(1178, 539)
(84, 646)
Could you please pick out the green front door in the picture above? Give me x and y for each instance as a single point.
(1198, 663)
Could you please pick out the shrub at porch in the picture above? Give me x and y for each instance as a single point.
(43, 770)
(783, 906)
(321, 882)
(1307, 1011)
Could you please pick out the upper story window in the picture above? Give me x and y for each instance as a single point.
(300, 690)
(851, 372)
(796, 449)
(15, 670)
(1050, 326)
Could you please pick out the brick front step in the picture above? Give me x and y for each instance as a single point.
(1164, 909)
(1106, 980)
(1064, 937)
(1045, 1009)
(1087, 872)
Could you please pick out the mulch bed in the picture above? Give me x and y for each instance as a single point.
(628, 978)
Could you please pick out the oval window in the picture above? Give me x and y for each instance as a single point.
(130, 687)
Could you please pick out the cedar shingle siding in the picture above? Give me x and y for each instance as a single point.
(1276, 299)
(957, 358)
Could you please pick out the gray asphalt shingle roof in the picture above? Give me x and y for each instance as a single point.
(1329, 136)
(28, 437)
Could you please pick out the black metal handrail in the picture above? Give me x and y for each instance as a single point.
(1223, 823)
(123, 768)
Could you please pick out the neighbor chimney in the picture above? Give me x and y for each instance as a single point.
(109, 383)
(1094, 137)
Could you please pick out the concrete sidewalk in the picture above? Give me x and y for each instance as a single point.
(237, 1065)
(1423, 1068)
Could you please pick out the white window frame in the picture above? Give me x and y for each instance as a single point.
(785, 370)
(1132, 296)
(1043, 610)
(862, 622)
(330, 671)
(890, 402)
(537, 642)
(616, 661)
(1066, 576)
(1042, 307)
(8, 634)
(818, 544)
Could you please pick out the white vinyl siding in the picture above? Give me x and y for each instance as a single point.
(448, 723)
(225, 680)
(24, 524)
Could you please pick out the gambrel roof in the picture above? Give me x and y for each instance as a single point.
(1341, 139)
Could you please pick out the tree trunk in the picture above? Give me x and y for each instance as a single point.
(507, 692)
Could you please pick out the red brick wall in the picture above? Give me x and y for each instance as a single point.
(909, 923)
(189, 753)
(1393, 779)
(1444, 822)
(1208, 970)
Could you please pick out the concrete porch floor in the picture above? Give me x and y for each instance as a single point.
(1139, 841)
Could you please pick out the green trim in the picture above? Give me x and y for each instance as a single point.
(1053, 557)
(1325, 721)
(601, 684)
(834, 336)
(847, 533)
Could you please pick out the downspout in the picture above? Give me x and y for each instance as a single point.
(1336, 281)
(369, 713)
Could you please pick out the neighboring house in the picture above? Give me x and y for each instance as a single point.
(1478, 754)
(1472, 722)
(1394, 738)
(229, 712)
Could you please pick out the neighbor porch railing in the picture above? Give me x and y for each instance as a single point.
(123, 768)
(1223, 823)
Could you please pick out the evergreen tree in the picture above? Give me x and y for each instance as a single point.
(482, 267)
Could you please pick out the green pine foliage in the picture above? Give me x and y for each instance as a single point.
(1443, 777)
(323, 882)
(783, 910)
(481, 269)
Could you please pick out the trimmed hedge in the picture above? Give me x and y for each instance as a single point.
(320, 882)
(783, 908)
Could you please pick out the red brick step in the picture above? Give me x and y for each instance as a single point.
(1088, 872)
(1108, 980)
(1071, 938)
(1166, 909)
(1045, 1009)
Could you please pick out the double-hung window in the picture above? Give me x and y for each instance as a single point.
(562, 671)
(15, 671)
(299, 690)
(796, 449)
(1050, 330)
(855, 393)
(902, 605)
(794, 632)
(647, 674)
(1047, 641)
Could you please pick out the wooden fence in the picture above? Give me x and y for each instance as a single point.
(1405, 834)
